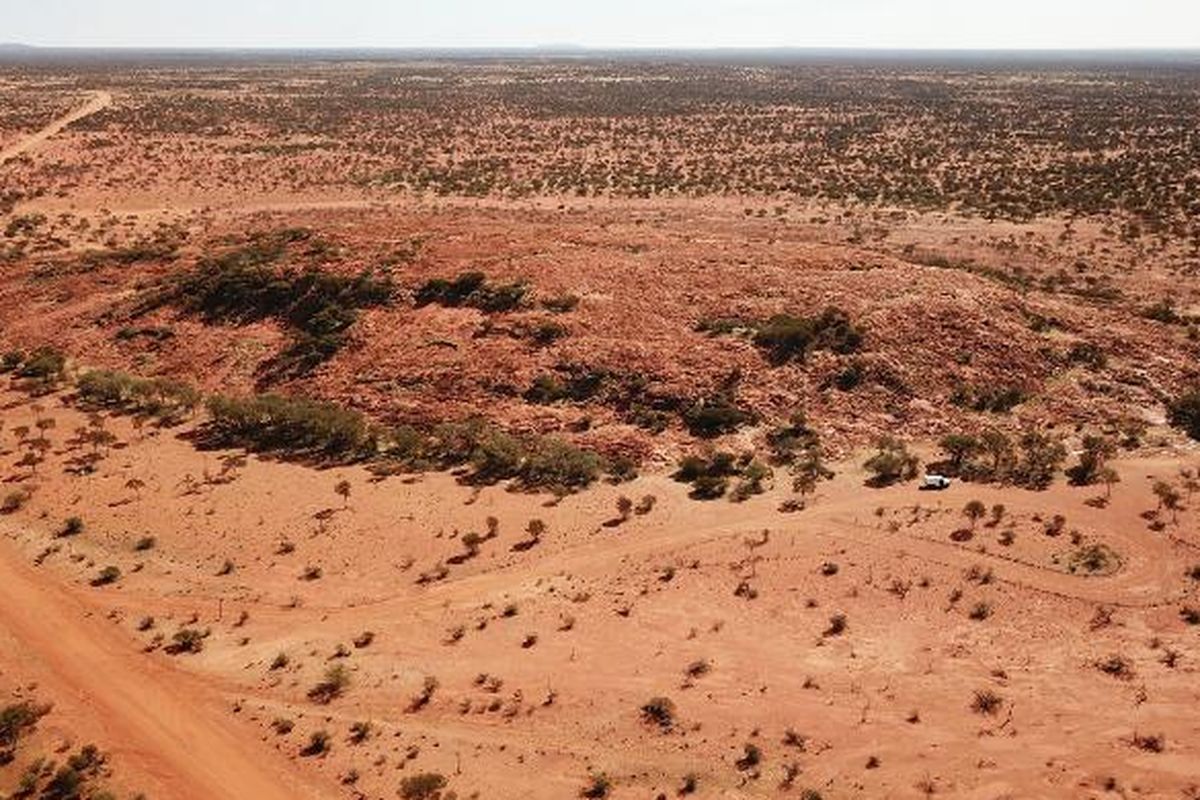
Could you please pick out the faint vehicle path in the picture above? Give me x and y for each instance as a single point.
(158, 717)
(97, 102)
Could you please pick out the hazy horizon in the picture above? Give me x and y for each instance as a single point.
(890, 25)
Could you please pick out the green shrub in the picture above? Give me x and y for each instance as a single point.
(16, 720)
(725, 326)
(713, 416)
(332, 686)
(109, 574)
(659, 711)
(187, 640)
(851, 377)
(496, 456)
(1163, 311)
(787, 338)
(1041, 456)
(66, 784)
(44, 368)
(162, 398)
(1094, 559)
(1184, 412)
(318, 744)
(1087, 354)
(892, 462)
(554, 463)
(753, 477)
(710, 474)
(423, 786)
(242, 286)
(994, 399)
(561, 304)
(451, 293)
(472, 289)
(13, 501)
(547, 332)
(11, 360)
(276, 423)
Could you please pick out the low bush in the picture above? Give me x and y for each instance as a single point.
(892, 463)
(43, 369)
(472, 289)
(332, 686)
(993, 399)
(709, 473)
(1184, 412)
(786, 338)
(16, 720)
(1096, 559)
(598, 787)
(659, 711)
(318, 744)
(715, 415)
(106, 576)
(13, 501)
(423, 786)
(986, 702)
(187, 640)
(164, 399)
(273, 422)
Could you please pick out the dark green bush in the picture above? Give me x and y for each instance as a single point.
(659, 711)
(710, 474)
(473, 290)
(556, 464)
(165, 399)
(786, 337)
(851, 377)
(561, 304)
(244, 286)
(275, 423)
(1041, 457)
(1088, 354)
(45, 367)
(546, 332)
(1184, 412)
(994, 399)
(16, 720)
(713, 416)
(892, 463)
(423, 786)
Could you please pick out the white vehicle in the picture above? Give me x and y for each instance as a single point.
(936, 482)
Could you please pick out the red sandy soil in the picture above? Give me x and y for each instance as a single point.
(544, 654)
(645, 600)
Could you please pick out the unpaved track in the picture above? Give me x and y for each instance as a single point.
(97, 102)
(161, 719)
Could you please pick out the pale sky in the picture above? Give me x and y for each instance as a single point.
(605, 23)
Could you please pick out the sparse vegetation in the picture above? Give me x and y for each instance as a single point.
(242, 285)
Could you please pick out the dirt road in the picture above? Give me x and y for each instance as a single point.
(161, 719)
(97, 102)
